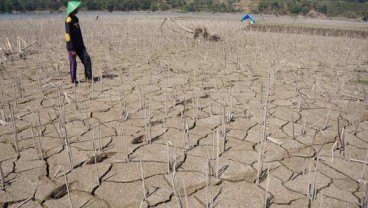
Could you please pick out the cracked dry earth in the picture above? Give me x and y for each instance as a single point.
(184, 115)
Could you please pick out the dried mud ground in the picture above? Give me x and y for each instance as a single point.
(185, 115)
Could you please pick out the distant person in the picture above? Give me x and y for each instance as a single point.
(75, 44)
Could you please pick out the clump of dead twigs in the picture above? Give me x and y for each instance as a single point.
(196, 33)
(20, 51)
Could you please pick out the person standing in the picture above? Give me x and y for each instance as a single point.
(75, 44)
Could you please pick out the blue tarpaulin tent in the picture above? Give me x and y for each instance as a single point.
(248, 16)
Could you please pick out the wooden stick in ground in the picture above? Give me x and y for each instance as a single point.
(25, 201)
(56, 130)
(15, 131)
(314, 193)
(85, 112)
(75, 97)
(224, 129)
(176, 194)
(68, 150)
(262, 143)
(168, 158)
(217, 152)
(34, 140)
(146, 125)
(358, 161)
(93, 90)
(327, 118)
(149, 126)
(303, 127)
(39, 134)
(2, 95)
(185, 195)
(292, 122)
(15, 94)
(40, 146)
(365, 163)
(356, 128)
(124, 142)
(100, 137)
(2, 177)
(67, 188)
(94, 155)
(40, 88)
(267, 185)
(56, 172)
(143, 184)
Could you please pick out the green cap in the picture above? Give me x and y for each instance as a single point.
(72, 5)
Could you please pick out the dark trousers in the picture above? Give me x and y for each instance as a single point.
(85, 59)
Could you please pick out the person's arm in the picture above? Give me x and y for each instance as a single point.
(69, 43)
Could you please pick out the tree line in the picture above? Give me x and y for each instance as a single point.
(9, 6)
(345, 8)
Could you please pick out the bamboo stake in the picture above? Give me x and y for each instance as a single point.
(165, 102)
(263, 140)
(309, 179)
(224, 129)
(67, 188)
(207, 183)
(2, 95)
(268, 184)
(94, 154)
(68, 149)
(75, 98)
(327, 118)
(39, 135)
(168, 158)
(40, 87)
(149, 126)
(356, 128)
(56, 172)
(101, 80)
(292, 122)
(34, 138)
(15, 94)
(146, 125)
(303, 128)
(2, 177)
(176, 194)
(359, 161)
(314, 194)
(21, 87)
(93, 90)
(124, 142)
(58, 133)
(185, 195)
(217, 152)
(15, 131)
(85, 112)
(100, 137)
(25, 201)
(143, 184)
(365, 163)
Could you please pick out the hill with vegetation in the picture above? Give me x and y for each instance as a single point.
(332, 8)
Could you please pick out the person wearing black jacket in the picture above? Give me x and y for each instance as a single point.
(75, 44)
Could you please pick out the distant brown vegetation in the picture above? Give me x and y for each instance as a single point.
(310, 31)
